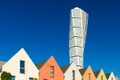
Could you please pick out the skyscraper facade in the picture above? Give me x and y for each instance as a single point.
(77, 36)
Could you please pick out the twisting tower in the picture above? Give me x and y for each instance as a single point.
(77, 36)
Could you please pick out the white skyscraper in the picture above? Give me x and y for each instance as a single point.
(77, 36)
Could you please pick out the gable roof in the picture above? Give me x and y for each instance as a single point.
(40, 65)
(107, 75)
(82, 71)
(96, 73)
(64, 68)
(1, 64)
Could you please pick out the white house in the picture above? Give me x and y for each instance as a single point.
(71, 72)
(21, 67)
(111, 76)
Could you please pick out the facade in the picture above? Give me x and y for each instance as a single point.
(50, 70)
(71, 72)
(110, 76)
(21, 67)
(100, 75)
(77, 36)
(87, 74)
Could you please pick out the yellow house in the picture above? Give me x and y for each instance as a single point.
(100, 75)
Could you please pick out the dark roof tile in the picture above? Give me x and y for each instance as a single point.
(82, 71)
(107, 75)
(64, 68)
(40, 64)
(96, 73)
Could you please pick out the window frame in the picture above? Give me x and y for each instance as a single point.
(89, 76)
(12, 77)
(52, 71)
(73, 74)
(30, 78)
(101, 77)
(22, 66)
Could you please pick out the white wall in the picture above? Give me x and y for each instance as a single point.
(13, 66)
(68, 73)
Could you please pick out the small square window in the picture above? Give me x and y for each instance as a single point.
(12, 77)
(30, 78)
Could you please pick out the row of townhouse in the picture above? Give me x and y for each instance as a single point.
(21, 67)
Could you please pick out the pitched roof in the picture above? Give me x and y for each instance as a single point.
(40, 64)
(1, 64)
(64, 68)
(107, 75)
(96, 73)
(82, 71)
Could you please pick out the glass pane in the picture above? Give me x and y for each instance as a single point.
(30, 78)
(22, 70)
(73, 74)
(12, 78)
(22, 64)
(51, 69)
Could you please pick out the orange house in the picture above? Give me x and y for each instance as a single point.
(50, 70)
(87, 74)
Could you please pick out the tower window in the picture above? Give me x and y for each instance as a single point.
(52, 71)
(22, 66)
(73, 74)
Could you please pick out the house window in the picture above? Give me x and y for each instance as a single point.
(89, 76)
(112, 78)
(22, 66)
(12, 77)
(82, 79)
(101, 77)
(30, 78)
(52, 71)
(73, 74)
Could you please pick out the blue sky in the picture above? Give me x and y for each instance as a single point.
(41, 27)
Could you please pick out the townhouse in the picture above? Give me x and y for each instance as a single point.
(21, 67)
(100, 75)
(71, 72)
(110, 76)
(87, 74)
(50, 70)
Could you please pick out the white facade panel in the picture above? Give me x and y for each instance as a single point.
(76, 51)
(76, 22)
(76, 32)
(76, 41)
(76, 12)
